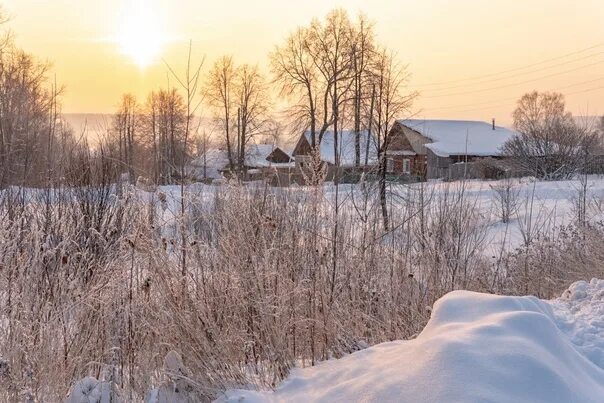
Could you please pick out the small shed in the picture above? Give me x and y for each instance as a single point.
(261, 161)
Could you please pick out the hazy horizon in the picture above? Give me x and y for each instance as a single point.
(467, 60)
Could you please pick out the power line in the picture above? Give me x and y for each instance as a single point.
(474, 104)
(477, 109)
(511, 70)
(507, 103)
(587, 90)
(521, 74)
(517, 83)
(515, 98)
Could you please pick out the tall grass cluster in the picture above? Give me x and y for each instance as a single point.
(113, 282)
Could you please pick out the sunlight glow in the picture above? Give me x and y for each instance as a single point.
(141, 36)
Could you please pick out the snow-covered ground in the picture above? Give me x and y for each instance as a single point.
(475, 348)
(544, 206)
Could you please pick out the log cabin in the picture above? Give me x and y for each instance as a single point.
(341, 158)
(442, 149)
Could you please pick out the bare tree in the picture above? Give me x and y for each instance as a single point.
(25, 106)
(297, 74)
(550, 144)
(314, 67)
(190, 85)
(362, 52)
(165, 118)
(329, 44)
(507, 194)
(389, 103)
(126, 124)
(252, 107)
(219, 90)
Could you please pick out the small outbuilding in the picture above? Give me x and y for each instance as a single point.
(262, 161)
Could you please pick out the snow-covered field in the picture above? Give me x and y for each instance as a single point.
(542, 206)
(475, 348)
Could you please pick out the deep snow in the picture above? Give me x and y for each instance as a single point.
(461, 137)
(475, 348)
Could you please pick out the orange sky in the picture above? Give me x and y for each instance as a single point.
(453, 48)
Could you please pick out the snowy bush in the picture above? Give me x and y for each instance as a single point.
(90, 390)
(507, 198)
(177, 386)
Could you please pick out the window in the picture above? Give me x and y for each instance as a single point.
(389, 165)
(406, 166)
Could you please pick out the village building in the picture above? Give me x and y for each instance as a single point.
(442, 149)
(268, 162)
(262, 162)
(341, 159)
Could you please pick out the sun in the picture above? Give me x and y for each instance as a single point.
(140, 35)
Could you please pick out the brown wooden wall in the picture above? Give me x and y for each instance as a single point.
(417, 164)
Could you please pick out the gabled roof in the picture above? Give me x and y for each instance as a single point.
(461, 137)
(259, 155)
(256, 156)
(346, 147)
(214, 160)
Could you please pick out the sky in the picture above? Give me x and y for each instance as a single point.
(469, 59)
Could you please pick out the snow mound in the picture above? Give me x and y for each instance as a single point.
(580, 314)
(91, 390)
(475, 348)
(176, 388)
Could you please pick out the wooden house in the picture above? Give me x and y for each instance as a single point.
(340, 158)
(262, 161)
(442, 149)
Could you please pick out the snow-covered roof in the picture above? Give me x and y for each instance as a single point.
(216, 160)
(256, 156)
(346, 148)
(461, 137)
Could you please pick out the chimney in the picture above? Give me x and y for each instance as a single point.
(493, 123)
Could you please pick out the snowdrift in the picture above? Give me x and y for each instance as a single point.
(475, 348)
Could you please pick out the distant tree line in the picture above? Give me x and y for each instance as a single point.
(35, 145)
